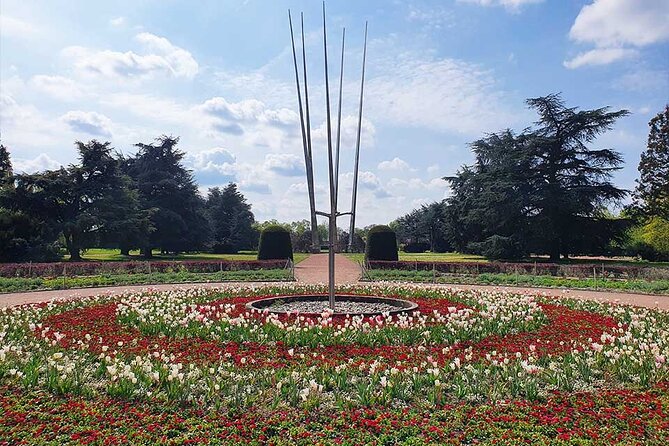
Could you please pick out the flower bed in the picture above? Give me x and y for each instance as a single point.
(72, 269)
(197, 363)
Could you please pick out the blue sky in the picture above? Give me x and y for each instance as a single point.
(219, 75)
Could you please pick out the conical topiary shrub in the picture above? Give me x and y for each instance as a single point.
(381, 244)
(275, 244)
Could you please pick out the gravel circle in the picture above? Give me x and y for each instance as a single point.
(342, 307)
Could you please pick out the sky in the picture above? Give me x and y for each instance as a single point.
(219, 74)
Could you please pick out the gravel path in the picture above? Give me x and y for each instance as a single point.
(314, 270)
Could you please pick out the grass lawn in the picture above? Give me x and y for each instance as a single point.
(460, 257)
(104, 255)
(427, 257)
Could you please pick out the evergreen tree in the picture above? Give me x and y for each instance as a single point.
(83, 202)
(539, 191)
(168, 193)
(570, 180)
(6, 172)
(652, 191)
(231, 220)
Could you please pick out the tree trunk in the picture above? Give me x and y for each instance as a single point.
(555, 250)
(75, 254)
(146, 252)
(72, 248)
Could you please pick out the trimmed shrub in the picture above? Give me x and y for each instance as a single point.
(381, 244)
(275, 243)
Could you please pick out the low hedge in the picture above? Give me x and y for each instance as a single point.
(536, 269)
(72, 269)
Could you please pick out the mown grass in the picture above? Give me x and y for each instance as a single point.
(460, 257)
(654, 286)
(9, 285)
(114, 255)
(427, 257)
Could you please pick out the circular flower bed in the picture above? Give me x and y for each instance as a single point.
(458, 351)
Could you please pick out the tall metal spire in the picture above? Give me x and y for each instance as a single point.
(357, 149)
(333, 156)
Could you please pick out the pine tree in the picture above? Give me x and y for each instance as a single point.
(541, 190)
(231, 220)
(169, 194)
(652, 191)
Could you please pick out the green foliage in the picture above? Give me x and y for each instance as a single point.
(544, 186)
(424, 226)
(651, 240)
(18, 284)
(497, 247)
(652, 191)
(275, 243)
(169, 195)
(381, 244)
(231, 220)
(659, 286)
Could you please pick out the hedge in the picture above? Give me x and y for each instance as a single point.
(72, 269)
(381, 244)
(275, 243)
(538, 269)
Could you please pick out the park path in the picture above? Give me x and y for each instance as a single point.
(314, 269)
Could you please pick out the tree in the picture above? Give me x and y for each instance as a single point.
(423, 229)
(652, 190)
(21, 236)
(168, 193)
(6, 172)
(571, 180)
(231, 220)
(82, 202)
(537, 190)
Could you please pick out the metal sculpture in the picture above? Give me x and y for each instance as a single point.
(333, 160)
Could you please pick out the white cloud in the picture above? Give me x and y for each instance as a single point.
(600, 56)
(230, 117)
(17, 28)
(11, 111)
(349, 132)
(446, 95)
(435, 18)
(613, 26)
(38, 164)
(643, 80)
(58, 87)
(92, 123)
(166, 58)
(117, 21)
(394, 164)
(611, 23)
(284, 164)
(432, 169)
(509, 5)
(180, 61)
(417, 184)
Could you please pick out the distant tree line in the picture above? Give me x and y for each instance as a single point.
(147, 201)
(546, 191)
